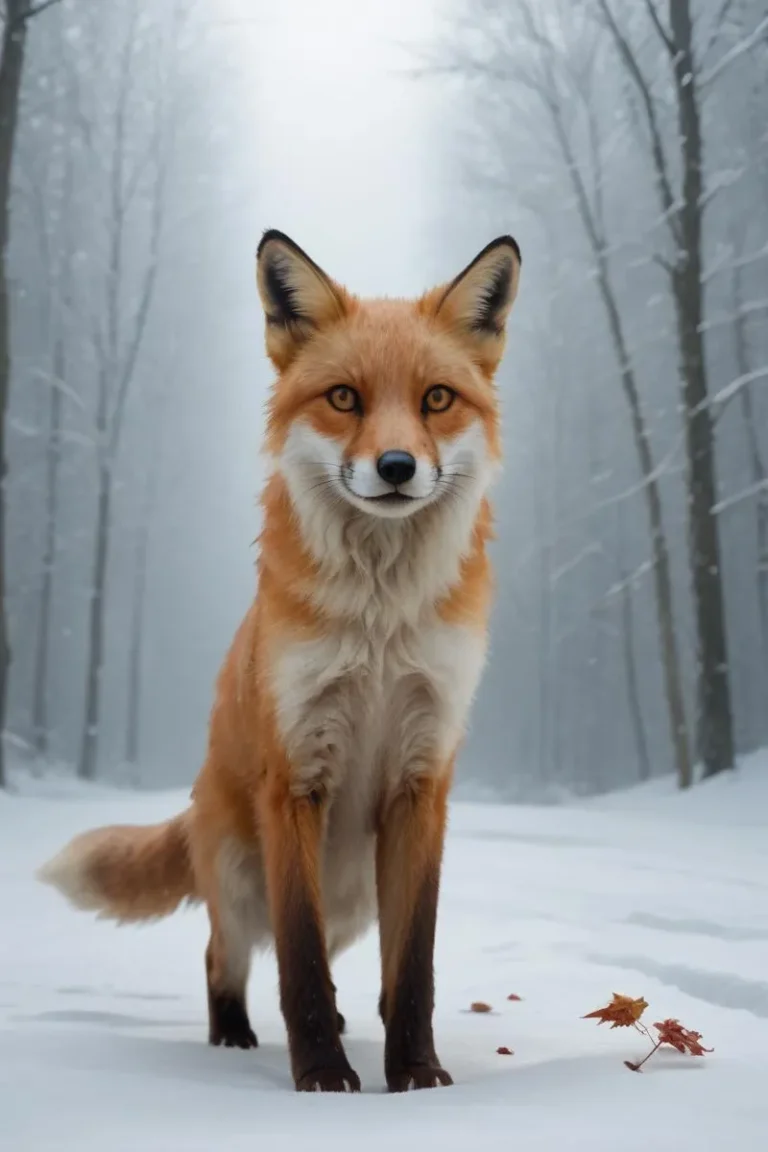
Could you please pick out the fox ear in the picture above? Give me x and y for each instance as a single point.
(476, 304)
(297, 296)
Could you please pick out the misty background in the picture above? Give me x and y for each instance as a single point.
(153, 142)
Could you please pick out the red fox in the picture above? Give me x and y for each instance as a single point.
(341, 704)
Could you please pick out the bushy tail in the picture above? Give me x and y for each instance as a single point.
(126, 872)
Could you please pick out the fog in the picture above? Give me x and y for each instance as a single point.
(302, 119)
(391, 141)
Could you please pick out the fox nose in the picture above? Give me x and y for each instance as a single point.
(396, 467)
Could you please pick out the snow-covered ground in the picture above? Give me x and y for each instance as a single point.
(103, 1029)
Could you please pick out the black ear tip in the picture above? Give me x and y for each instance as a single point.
(505, 242)
(273, 234)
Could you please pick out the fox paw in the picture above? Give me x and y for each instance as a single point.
(230, 1025)
(329, 1080)
(418, 1076)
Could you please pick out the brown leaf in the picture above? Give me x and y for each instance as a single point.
(480, 1006)
(514, 996)
(504, 1052)
(683, 1039)
(622, 1012)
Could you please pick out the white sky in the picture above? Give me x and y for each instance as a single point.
(342, 146)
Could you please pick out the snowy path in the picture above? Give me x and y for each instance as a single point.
(102, 1030)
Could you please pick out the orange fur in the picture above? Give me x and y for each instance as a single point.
(412, 829)
(130, 872)
(342, 699)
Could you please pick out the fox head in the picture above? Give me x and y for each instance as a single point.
(384, 406)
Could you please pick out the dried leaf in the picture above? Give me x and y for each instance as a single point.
(683, 1039)
(622, 1012)
(504, 1052)
(480, 1006)
(514, 996)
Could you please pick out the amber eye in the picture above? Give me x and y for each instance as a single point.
(438, 399)
(344, 399)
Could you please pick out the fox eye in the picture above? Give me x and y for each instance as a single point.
(438, 399)
(344, 399)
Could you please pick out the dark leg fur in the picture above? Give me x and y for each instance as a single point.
(292, 842)
(228, 1022)
(410, 1060)
(409, 855)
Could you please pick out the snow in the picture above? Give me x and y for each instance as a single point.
(647, 893)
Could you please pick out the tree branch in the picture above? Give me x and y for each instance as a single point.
(724, 180)
(641, 83)
(721, 398)
(664, 36)
(158, 150)
(735, 53)
(33, 10)
(742, 262)
(753, 308)
(748, 493)
(716, 26)
(662, 262)
(629, 581)
(62, 386)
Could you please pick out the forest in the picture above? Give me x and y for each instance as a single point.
(626, 147)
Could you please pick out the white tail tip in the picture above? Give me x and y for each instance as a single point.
(67, 873)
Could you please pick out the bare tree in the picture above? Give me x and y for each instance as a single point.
(628, 644)
(758, 470)
(547, 757)
(682, 209)
(525, 50)
(133, 170)
(141, 559)
(745, 258)
(746, 316)
(16, 19)
(136, 640)
(56, 236)
(40, 725)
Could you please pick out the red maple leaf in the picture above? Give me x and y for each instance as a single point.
(622, 1012)
(683, 1039)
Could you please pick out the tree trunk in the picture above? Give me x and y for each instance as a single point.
(545, 637)
(133, 726)
(714, 716)
(62, 286)
(665, 616)
(137, 647)
(545, 666)
(11, 71)
(630, 671)
(87, 767)
(40, 728)
(756, 461)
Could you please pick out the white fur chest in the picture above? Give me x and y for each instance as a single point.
(384, 695)
(363, 708)
(361, 711)
(386, 692)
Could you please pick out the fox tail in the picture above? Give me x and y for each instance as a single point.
(126, 872)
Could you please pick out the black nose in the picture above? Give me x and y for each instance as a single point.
(396, 467)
